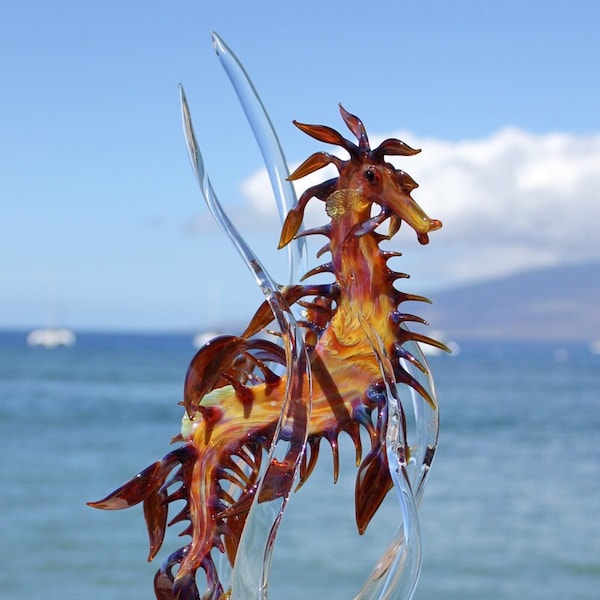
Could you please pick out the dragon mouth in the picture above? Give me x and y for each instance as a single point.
(404, 208)
(424, 227)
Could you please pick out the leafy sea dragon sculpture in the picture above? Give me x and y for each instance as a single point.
(340, 358)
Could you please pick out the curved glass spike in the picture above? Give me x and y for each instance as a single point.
(397, 571)
(262, 277)
(250, 574)
(269, 145)
(426, 420)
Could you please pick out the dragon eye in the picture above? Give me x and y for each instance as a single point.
(370, 175)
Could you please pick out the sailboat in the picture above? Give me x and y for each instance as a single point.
(51, 337)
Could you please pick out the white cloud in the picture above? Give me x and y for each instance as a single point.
(514, 200)
(508, 202)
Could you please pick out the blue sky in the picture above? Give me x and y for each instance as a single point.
(102, 219)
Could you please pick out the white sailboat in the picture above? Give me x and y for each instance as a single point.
(434, 350)
(201, 338)
(51, 337)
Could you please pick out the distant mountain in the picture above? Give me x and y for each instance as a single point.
(554, 304)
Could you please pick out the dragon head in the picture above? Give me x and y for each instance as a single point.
(366, 174)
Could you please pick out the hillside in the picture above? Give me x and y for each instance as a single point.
(561, 303)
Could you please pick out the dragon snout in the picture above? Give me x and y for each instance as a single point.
(404, 207)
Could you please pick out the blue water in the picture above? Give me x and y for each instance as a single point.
(512, 508)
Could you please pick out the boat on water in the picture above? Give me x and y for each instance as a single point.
(51, 337)
(203, 337)
(434, 350)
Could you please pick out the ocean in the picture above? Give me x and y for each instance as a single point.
(511, 510)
